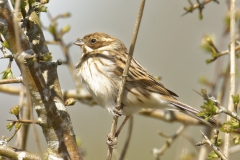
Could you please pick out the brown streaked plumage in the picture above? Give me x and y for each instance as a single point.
(100, 69)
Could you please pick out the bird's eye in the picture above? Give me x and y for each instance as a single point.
(93, 40)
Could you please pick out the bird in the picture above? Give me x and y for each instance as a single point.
(100, 69)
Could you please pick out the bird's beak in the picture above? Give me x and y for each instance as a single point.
(79, 42)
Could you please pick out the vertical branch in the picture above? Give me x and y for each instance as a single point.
(125, 73)
(232, 69)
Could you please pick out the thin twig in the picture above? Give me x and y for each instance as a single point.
(126, 144)
(14, 153)
(27, 121)
(11, 80)
(158, 152)
(199, 5)
(232, 70)
(222, 54)
(82, 95)
(14, 133)
(59, 40)
(215, 148)
(125, 73)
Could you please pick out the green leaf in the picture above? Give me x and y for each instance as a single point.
(52, 29)
(65, 29)
(235, 99)
(229, 126)
(18, 125)
(212, 155)
(209, 109)
(10, 125)
(15, 110)
(236, 139)
(7, 74)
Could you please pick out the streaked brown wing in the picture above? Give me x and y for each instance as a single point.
(138, 76)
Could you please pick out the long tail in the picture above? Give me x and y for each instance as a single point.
(193, 113)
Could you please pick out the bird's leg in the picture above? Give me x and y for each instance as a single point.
(120, 128)
(111, 141)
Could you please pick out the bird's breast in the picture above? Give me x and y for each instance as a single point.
(97, 75)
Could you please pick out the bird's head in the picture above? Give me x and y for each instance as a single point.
(100, 41)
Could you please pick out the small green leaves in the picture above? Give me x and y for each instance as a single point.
(52, 29)
(236, 139)
(15, 110)
(18, 125)
(227, 18)
(230, 125)
(10, 125)
(70, 102)
(209, 109)
(212, 155)
(235, 99)
(207, 43)
(65, 29)
(5, 44)
(7, 73)
(66, 15)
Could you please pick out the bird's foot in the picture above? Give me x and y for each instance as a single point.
(111, 140)
(117, 112)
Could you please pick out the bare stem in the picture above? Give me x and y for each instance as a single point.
(232, 70)
(199, 6)
(125, 73)
(11, 80)
(14, 153)
(158, 152)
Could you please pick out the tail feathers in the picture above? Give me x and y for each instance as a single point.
(193, 113)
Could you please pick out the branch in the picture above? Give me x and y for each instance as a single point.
(158, 152)
(232, 70)
(82, 95)
(42, 83)
(217, 55)
(11, 80)
(13, 153)
(199, 6)
(59, 40)
(221, 109)
(125, 73)
(215, 148)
